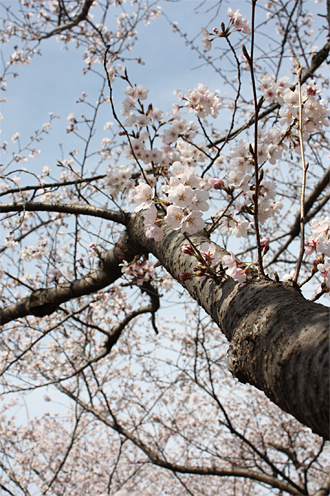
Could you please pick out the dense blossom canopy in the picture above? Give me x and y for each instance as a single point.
(165, 270)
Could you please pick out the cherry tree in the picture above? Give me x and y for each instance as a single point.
(169, 284)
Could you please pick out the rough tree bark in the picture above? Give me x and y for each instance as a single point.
(279, 341)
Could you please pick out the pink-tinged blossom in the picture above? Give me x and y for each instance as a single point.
(310, 246)
(174, 217)
(193, 222)
(237, 274)
(130, 91)
(128, 105)
(142, 120)
(229, 260)
(264, 243)
(236, 177)
(319, 240)
(181, 195)
(240, 229)
(141, 92)
(207, 45)
(177, 168)
(157, 114)
(208, 250)
(199, 200)
(233, 271)
(324, 269)
(154, 232)
(138, 270)
(170, 136)
(324, 245)
(288, 277)
(189, 178)
(215, 183)
(150, 215)
(131, 120)
(203, 102)
(143, 197)
(233, 15)
(240, 23)
(117, 180)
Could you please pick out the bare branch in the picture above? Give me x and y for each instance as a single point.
(309, 214)
(74, 22)
(185, 469)
(56, 185)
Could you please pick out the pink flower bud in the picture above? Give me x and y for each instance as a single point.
(311, 90)
(215, 182)
(187, 249)
(185, 276)
(265, 244)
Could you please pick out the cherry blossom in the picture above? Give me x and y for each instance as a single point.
(193, 222)
(209, 253)
(109, 364)
(207, 43)
(175, 216)
(143, 197)
(233, 271)
(240, 23)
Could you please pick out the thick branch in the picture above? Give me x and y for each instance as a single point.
(153, 306)
(46, 301)
(279, 341)
(102, 213)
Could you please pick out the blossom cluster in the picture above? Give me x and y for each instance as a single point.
(207, 257)
(319, 242)
(314, 110)
(138, 271)
(236, 23)
(241, 179)
(233, 270)
(37, 251)
(186, 199)
(117, 179)
(202, 102)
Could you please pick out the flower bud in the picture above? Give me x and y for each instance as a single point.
(187, 249)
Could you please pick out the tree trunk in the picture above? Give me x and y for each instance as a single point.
(279, 341)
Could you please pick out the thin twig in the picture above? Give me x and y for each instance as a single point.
(303, 186)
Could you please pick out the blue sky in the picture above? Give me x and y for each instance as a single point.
(54, 81)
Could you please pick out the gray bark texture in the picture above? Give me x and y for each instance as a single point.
(279, 341)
